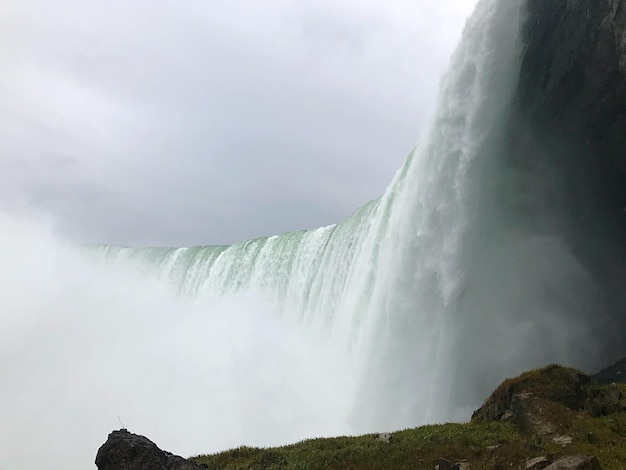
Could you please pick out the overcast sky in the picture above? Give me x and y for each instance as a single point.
(207, 122)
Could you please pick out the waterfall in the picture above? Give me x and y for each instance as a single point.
(408, 312)
(386, 283)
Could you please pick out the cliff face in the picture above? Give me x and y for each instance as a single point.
(568, 138)
(572, 90)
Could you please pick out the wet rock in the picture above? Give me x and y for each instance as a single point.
(570, 119)
(572, 89)
(126, 451)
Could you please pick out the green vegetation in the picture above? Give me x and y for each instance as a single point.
(526, 417)
(409, 449)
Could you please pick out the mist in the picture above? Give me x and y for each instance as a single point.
(86, 348)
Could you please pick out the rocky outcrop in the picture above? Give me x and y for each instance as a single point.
(126, 451)
(546, 403)
(514, 397)
(612, 374)
(605, 400)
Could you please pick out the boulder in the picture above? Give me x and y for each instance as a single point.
(538, 463)
(445, 464)
(575, 462)
(126, 451)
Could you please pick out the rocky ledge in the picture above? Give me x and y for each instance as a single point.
(551, 418)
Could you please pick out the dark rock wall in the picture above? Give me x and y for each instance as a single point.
(572, 90)
(569, 122)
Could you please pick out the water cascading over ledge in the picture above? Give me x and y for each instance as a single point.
(497, 247)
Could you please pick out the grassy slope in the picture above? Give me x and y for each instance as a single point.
(486, 442)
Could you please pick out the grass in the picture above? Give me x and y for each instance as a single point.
(486, 443)
(408, 449)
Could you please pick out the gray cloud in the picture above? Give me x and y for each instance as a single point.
(189, 122)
